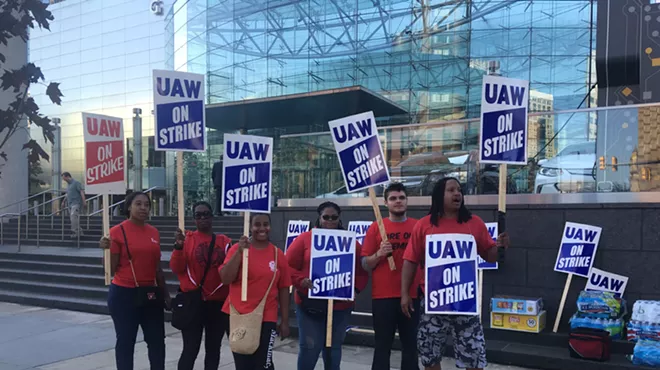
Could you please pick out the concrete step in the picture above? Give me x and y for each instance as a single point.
(54, 289)
(55, 301)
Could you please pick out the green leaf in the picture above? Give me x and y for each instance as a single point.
(54, 93)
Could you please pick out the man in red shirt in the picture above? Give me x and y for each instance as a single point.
(448, 215)
(386, 284)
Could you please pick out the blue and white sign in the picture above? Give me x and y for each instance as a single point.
(504, 103)
(332, 268)
(294, 229)
(359, 150)
(247, 173)
(482, 264)
(451, 274)
(360, 229)
(604, 281)
(179, 111)
(578, 249)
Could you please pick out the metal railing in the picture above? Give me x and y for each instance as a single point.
(61, 212)
(27, 199)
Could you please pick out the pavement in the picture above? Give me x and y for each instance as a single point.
(49, 339)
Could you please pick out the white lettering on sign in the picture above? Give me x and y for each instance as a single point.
(246, 194)
(504, 143)
(105, 169)
(365, 171)
(326, 283)
(186, 131)
(565, 262)
(450, 295)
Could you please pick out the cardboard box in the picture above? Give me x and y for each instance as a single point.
(519, 305)
(517, 322)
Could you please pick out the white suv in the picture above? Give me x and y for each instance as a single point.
(571, 171)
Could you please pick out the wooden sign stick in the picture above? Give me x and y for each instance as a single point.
(480, 294)
(328, 326)
(106, 232)
(562, 302)
(381, 226)
(244, 265)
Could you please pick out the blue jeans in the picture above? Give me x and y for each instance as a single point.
(127, 317)
(311, 339)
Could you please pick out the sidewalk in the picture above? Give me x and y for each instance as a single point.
(47, 339)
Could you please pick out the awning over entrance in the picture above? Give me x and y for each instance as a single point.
(307, 109)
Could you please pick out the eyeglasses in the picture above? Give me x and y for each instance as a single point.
(330, 217)
(200, 215)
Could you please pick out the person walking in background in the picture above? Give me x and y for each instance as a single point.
(312, 313)
(268, 281)
(448, 215)
(190, 262)
(386, 284)
(75, 199)
(216, 175)
(138, 293)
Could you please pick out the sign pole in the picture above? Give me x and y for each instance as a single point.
(179, 191)
(106, 232)
(328, 326)
(562, 302)
(244, 265)
(381, 226)
(480, 294)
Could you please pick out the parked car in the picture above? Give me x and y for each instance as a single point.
(571, 171)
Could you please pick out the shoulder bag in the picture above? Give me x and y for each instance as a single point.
(145, 296)
(187, 306)
(245, 329)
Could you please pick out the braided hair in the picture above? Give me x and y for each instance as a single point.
(320, 210)
(438, 203)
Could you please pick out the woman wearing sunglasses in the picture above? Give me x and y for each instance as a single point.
(311, 313)
(195, 260)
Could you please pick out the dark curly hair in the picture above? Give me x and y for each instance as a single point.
(202, 203)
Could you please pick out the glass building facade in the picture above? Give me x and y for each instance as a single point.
(423, 58)
(102, 54)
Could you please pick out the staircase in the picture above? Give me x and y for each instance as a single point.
(59, 274)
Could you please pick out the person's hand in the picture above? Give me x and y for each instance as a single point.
(179, 239)
(104, 243)
(243, 243)
(306, 283)
(385, 249)
(284, 330)
(503, 240)
(407, 305)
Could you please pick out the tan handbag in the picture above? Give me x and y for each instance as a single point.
(245, 330)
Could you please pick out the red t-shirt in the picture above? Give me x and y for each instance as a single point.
(144, 244)
(416, 251)
(384, 282)
(261, 263)
(190, 263)
(299, 255)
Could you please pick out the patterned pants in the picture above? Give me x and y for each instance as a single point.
(467, 332)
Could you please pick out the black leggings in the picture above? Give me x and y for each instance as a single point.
(214, 323)
(263, 358)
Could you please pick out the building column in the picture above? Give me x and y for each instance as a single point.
(56, 163)
(137, 149)
(14, 172)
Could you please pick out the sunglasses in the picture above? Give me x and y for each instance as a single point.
(330, 218)
(200, 215)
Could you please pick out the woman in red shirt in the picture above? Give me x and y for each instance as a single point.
(190, 262)
(138, 292)
(312, 314)
(448, 215)
(261, 267)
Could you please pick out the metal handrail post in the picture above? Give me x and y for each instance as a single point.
(38, 243)
(62, 216)
(43, 202)
(2, 230)
(27, 224)
(78, 232)
(19, 233)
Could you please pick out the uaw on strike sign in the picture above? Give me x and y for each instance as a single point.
(451, 274)
(360, 153)
(247, 173)
(179, 111)
(104, 154)
(504, 104)
(332, 268)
